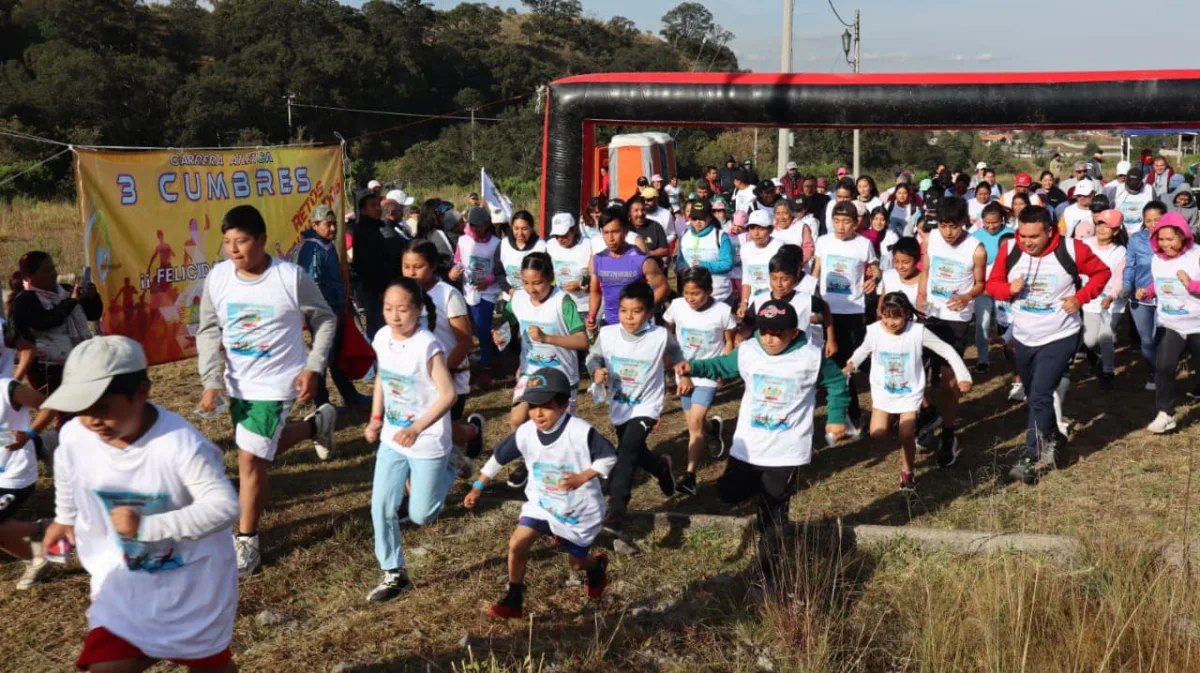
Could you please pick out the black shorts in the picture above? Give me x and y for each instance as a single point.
(957, 334)
(460, 406)
(11, 500)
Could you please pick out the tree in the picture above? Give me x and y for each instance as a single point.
(688, 23)
(622, 27)
(1034, 140)
(568, 9)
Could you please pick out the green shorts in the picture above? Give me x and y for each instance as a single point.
(258, 425)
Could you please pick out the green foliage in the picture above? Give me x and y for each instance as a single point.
(1090, 148)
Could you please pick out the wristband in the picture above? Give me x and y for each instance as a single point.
(478, 484)
(32, 433)
(376, 417)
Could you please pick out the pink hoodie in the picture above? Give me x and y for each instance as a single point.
(1175, 220)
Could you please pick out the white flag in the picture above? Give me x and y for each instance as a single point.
(493, 197)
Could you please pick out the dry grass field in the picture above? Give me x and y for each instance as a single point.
(688, 600)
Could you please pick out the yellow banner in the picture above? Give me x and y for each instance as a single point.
(152, 226)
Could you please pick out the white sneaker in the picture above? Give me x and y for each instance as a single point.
(1017, 392)
(248, 556)
(1162, 423)
(33, 572)
(1151, 386)
(325, 421)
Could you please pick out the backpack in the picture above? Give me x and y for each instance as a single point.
(1064, 252)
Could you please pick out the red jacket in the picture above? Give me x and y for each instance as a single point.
(791, 188)
(1098, 273)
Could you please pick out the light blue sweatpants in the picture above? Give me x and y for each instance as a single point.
(431, 481)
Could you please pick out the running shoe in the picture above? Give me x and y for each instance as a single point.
(716, 437)
(686, 484)
(324, 421)
(475, 446)
(395, 584)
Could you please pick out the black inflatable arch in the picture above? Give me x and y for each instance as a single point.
(1136, 99)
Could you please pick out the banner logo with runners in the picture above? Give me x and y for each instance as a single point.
(152, 222)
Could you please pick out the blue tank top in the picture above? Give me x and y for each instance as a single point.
(614, 274)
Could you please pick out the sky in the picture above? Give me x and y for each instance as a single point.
(942, 35)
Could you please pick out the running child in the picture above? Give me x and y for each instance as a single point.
(848, 270)
(789, 283)
(144, 498)
(476, 261)
(19, 473)
(1175, 284)
(704, 328)
(572, 258)
(452, 329)
(563, 499)
(758, 248)
(882, 237)
(894, 346)
(551, 332)
(953, 275)
(773, 439)
(521, 241)
(1102, 314)
(905, 275)
(254, 308)
(629, 357)
(414, 392)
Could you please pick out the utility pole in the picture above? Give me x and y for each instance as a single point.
(472, 135)
(289, 98)
(852, 40)
(785, 65)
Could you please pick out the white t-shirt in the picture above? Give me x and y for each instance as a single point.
(511, 259)
(975, 210)
(897, 372)
(409, 391)
(1037, 314)
(891, 282)
(578, 515)
(636, 382)
(775, 418)
(701, 334)
(673, 192)
(663, 217)
(756, 264)
(1114, 257)
(571, 265)
(547, 316)
(262, 330)
(843, 270)
(1178, 309)
(450, 304)
(1072, 216)
(18, 469)
(744, 199)
(1132, 205)
(477, 260)
(951, 271)
(172, 592)
(793, 235)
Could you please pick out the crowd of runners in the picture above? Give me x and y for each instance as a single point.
(777, 290)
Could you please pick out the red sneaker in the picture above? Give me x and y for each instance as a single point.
(597, 578)
(503, 610)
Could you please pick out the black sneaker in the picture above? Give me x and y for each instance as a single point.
(686, 484)
(475, 446)
(509, 607)
(982, 368)
(1108, 384)
(928, 421)
(518, 477)
(614, 523)
(716, 437)
(928, 440)
(947, 448)
(1025, 471)
(394, 584)
(666, 478)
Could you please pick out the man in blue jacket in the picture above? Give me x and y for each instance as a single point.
(1138, 257)
(319, 258)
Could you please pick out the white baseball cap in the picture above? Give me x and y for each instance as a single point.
(791, 165)
(400, 197)
(1085, 188)
(760, 218)
(656, 178)
(981, 165)
(90, 367)
(561, 224)
(1123, 167)
(374, 184)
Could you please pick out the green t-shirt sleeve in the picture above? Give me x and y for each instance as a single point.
(507, 313)
(571, 317)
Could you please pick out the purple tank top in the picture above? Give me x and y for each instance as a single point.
(614, 274)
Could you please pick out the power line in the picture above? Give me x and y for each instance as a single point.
(26, 136)
(40, 163)
(394, 114)
(839, 16)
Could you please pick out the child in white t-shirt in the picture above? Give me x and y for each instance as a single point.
(410, 417)
(19, 473)
(144, 498)
(894, 346)
(704, 328)
(476, 266)
(564, 499)
(905, 274)
(758, 248)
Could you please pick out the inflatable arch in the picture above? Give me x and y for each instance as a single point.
(1079, 100)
